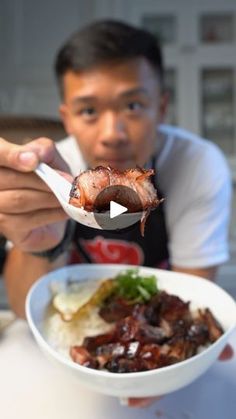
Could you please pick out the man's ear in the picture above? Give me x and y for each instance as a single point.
(163, 106)
(65, 117)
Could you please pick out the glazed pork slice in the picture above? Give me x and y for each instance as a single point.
(89, 184)
(141, 343)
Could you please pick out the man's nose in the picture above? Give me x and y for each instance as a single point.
(113, 130)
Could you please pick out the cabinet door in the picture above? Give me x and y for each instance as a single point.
(214, 75)
(172, 23)
(165, 21)
(199, 44)
(217, 106)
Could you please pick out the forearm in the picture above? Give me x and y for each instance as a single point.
(21, 271)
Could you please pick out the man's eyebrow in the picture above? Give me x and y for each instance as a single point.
(83, 99)
(127, 93)
(134, 91)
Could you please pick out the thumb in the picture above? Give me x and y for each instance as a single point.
(47, 152)
(17, 157)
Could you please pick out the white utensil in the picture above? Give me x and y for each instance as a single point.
(61, 189)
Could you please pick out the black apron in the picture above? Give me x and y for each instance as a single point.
(125, 246)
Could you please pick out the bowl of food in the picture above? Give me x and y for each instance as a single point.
(130, 331)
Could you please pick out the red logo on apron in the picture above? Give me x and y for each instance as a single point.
(101, 250)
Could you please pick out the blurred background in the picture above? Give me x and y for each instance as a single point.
(199, 43)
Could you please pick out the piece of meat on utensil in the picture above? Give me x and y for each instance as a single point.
(89, 184)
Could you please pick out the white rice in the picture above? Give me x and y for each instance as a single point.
(62, 335)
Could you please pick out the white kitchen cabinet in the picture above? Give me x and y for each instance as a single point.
(199, 42)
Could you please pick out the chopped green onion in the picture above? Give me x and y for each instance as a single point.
(133, 286)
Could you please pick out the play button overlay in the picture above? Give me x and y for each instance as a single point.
(117, 207)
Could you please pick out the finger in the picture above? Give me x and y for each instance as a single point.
(16, 226)
(10, 153)
(43, 217)
(11, 179)
(142, 401)
(227, 353)
(47, 152)
(22, 201)
(27, 157)
(43, 238)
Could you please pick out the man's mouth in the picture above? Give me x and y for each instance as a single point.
(117, 162)
(118, 159)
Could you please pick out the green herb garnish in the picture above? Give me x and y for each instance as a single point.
(133, 286)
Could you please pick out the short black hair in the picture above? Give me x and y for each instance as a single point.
(107, 41)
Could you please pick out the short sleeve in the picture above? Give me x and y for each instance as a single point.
(199, 217)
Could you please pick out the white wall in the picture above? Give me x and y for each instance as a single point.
(30, 33)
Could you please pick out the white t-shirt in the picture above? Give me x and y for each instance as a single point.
(194, 178)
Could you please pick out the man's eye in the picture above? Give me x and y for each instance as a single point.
(134, 106)
(88, 113)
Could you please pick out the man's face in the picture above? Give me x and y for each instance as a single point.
(113, 112)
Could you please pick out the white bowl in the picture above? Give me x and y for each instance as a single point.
(200, 292)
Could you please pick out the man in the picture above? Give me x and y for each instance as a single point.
(113, 108)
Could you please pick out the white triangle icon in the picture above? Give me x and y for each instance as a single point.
(116, 209)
